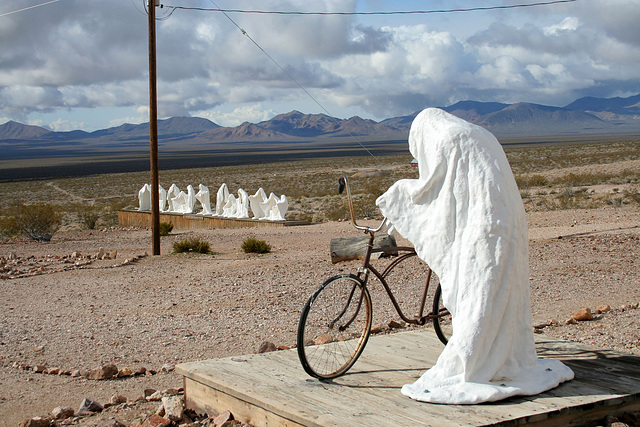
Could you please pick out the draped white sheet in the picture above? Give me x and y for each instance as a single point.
(465, 217)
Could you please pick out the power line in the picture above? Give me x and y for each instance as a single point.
(398, 12)
(27, 8)
(291, 77)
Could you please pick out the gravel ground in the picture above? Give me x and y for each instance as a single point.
(61, 309)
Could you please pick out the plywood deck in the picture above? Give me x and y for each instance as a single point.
(271, 389)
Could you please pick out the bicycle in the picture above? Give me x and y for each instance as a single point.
(335, 323)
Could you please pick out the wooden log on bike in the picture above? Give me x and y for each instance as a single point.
(348, 248)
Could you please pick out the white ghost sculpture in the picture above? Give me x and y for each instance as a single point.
(242, 204)
(221, 199)
(274, 208)
(465, 217)
(173, 192)
(162, 198)
(144, 198)
(204, 198)
(229, 208)
(191, 199)
(256, 201)
(181, 203)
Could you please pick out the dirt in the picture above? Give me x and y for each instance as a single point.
(72, 312)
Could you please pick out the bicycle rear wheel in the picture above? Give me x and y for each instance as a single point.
(334, 327)
(442, 323)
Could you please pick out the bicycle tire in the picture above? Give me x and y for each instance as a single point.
(442, 324)
(334, 326)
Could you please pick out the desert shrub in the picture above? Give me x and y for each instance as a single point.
(165, 228)
(633, 194)
(253, 245)
(535, 180)
(89, 216)
(37, 222)
(195, 244)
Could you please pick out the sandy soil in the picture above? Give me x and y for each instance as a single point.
(172, 308)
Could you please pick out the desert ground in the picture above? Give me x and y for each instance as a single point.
(62, 308)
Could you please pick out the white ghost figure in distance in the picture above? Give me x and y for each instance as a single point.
(144, 198)
(221, 199)
(172, 194)
(256, 201)
(204, 198)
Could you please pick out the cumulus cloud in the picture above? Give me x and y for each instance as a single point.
(93, 55)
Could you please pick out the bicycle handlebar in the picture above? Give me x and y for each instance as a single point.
(343, 183)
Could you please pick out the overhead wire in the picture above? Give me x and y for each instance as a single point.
(27, 8)
(397, 12)
(288, 74)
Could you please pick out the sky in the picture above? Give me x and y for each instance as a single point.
(84, 64)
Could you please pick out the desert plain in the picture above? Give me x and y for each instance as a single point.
(61, 307)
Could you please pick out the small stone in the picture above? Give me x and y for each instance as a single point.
(149, 391)
(111, 422)
(232, 423)
(266, 347)
(376, 329)
(125, 372)
(155, 397)
(100, 253)
(75, 373)
(283, 347)
(173, 407)
(167, 367)
(223, 418)
(62, 412)
(89, 406)
(582, 315)
(52, 371)
(75, 254)
(155, 421)
(571, 321)
(322, 339)
(102, 373)
(39, 368)
(140, 371)
(395, 325)
(117, 399)
(36, 422)
(604, 308)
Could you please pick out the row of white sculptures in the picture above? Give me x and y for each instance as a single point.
(227, 205)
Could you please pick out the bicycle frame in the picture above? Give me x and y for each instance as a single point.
(363, 271)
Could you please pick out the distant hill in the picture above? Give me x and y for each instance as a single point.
(587, 115)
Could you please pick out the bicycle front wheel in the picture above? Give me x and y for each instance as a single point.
(442, 324)
(334, 327)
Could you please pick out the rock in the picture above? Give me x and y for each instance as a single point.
(140, 371)
(62, 412)
(604, 308)
(36, 422)
(39, 368)
(117, 399)
(266, 347)
(125, 372)
(102, 373)
(395, 325)
(571, 321)
(173, 407)
(155, 397)
(89, 406)
(233, 423)
(149, 391)
(75, 373)
(52, 371)
(111, 422)
(100, 253)
(223, 418)
(376, 329)
(156, 421)
(582, 315)
(167, 367)
(322, 339)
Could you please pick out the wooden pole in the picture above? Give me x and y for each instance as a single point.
(153, 131)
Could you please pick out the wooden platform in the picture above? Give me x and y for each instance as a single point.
(271, 389)
(136, 218)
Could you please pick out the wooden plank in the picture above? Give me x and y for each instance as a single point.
(348, 248)
(272, 389)
(136, 218)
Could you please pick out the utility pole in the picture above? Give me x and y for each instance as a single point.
(153, 130)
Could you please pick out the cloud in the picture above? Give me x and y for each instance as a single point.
(252, 113)
(93, 55)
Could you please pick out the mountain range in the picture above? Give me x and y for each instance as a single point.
(587, 115)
